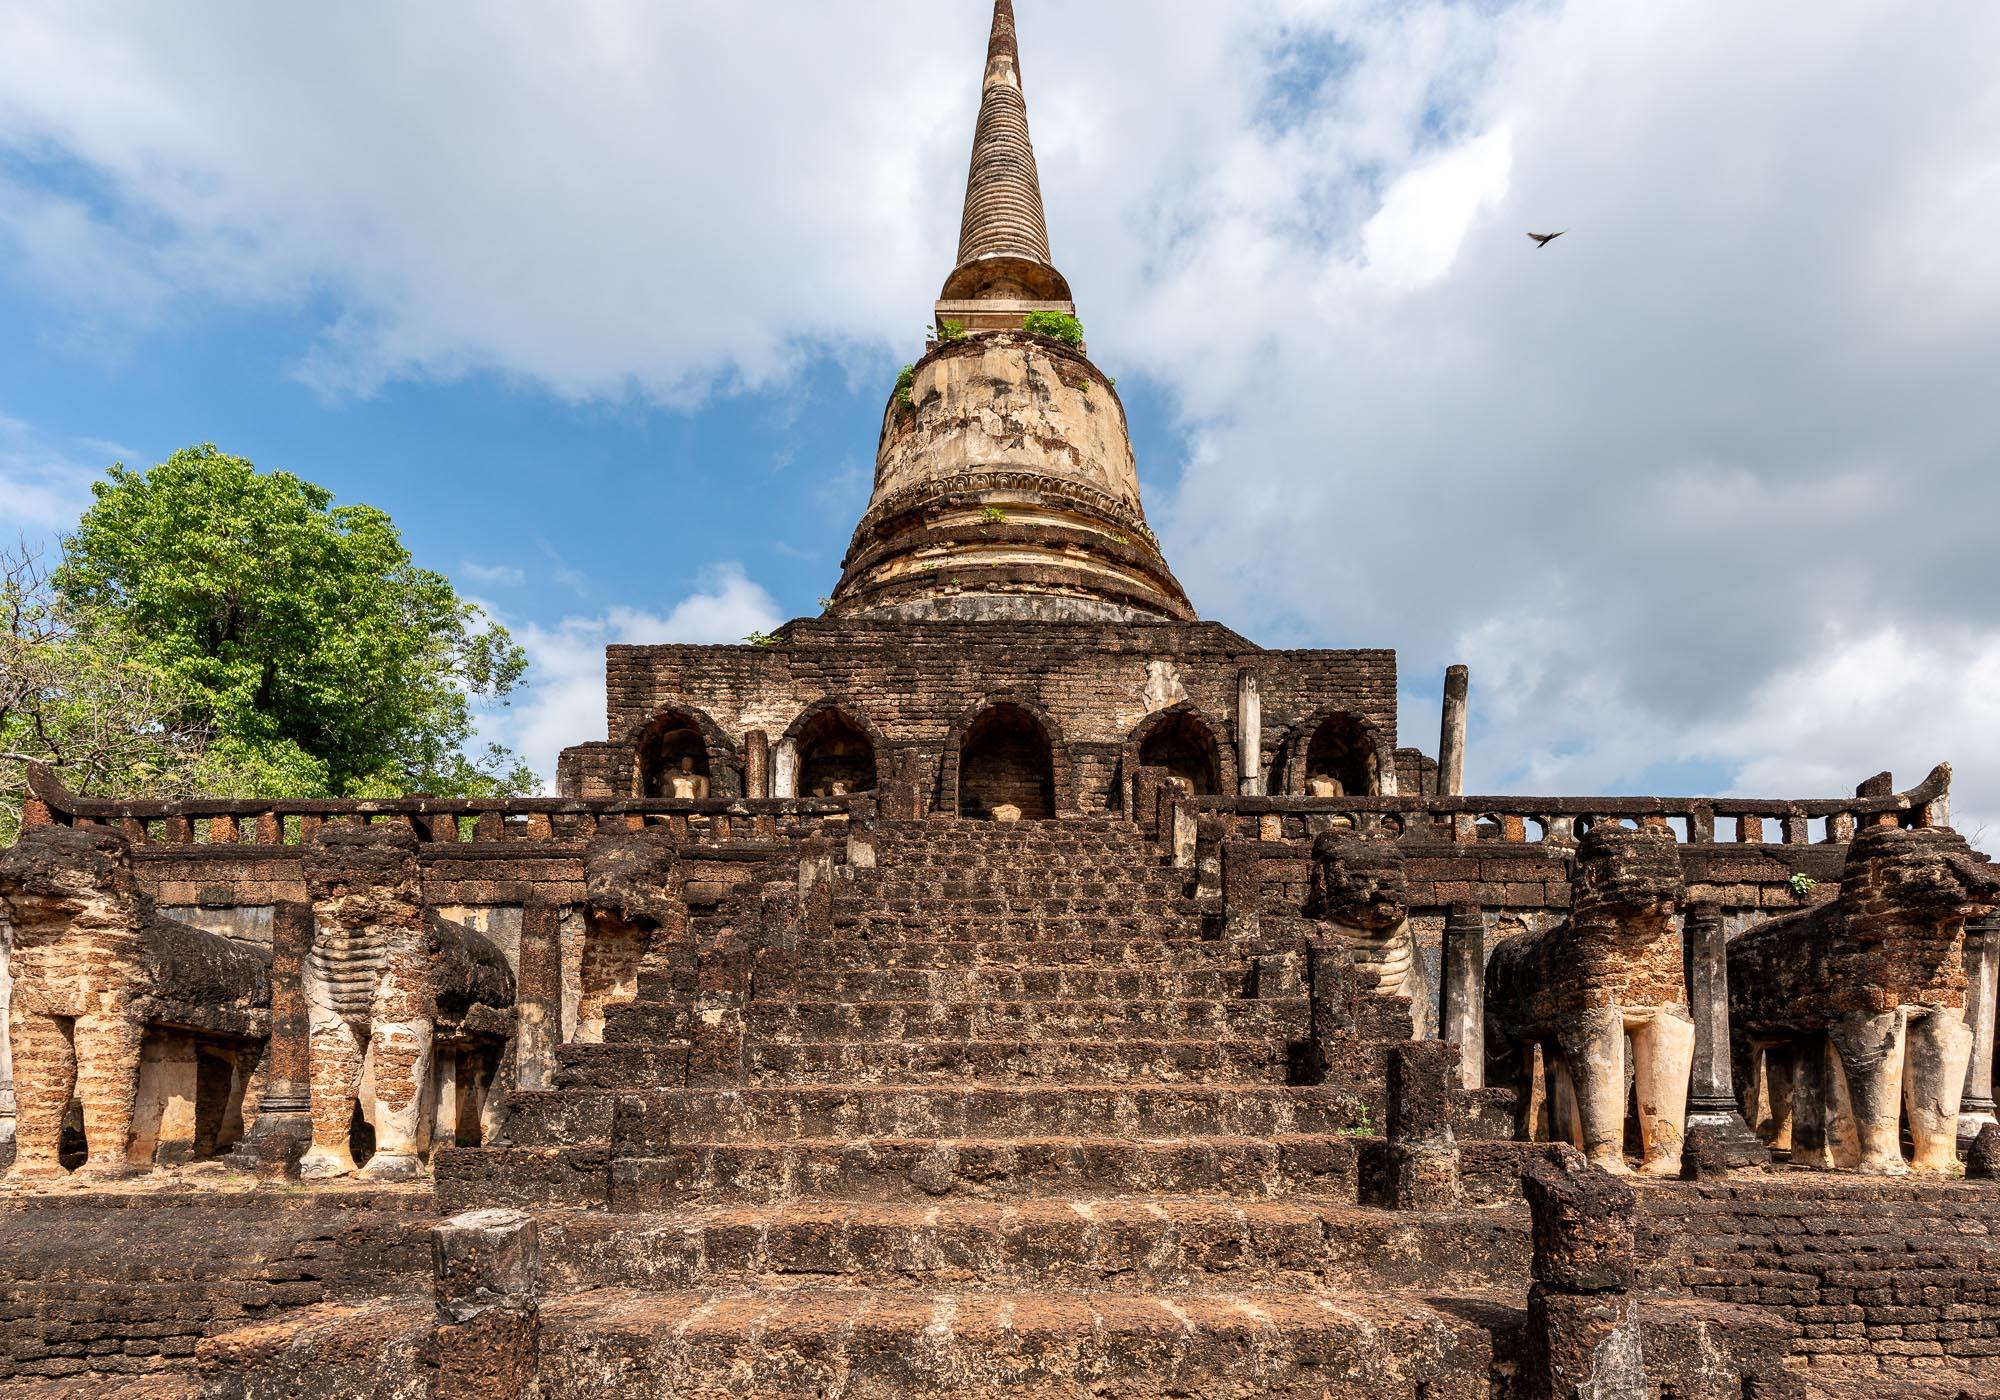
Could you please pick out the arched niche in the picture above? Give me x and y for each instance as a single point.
(1187, 744)
(1338, 744)
(679, 733)
(833, 751)
(1006, 754)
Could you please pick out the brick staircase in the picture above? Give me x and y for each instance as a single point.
(1015, 1125)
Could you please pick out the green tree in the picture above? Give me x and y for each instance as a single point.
(73, 694)
(297, 634)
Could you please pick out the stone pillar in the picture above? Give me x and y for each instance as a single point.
(487, 1267)
(1982, 989)
(1462, 1009)
(1583, 1322)
(1185, 832)
(1451, 738)
(785, 770)
(6, 1050)
(756, 764)
(538, 996)
(1423, 1152)
(282, 1130)
(1249, 735)
(1713, 1114)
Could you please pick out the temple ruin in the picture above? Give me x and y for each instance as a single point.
(1004, 983)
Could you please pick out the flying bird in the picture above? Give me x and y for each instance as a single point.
(1542, 240)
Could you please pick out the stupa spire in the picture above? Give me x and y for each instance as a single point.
(1004, 265)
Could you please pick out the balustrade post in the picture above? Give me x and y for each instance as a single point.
(1982, 976)
(1712, 1106)
(1749, 831)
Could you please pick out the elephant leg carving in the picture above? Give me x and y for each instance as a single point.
(44, 1083)
(403, 1064)
(1593, 1048)
(1935, 1058)
(336, 1052)
(1775, 1100)
(1662, 1061)
(1871, 1050)
(1563, 1123)
(107, 1061)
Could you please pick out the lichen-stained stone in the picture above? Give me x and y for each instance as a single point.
(386, 982)
(1877, 977)
(94, 967)
(1609, 976)
(634, 890)
(1585, 1224)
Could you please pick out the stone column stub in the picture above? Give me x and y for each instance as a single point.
(282, 1129)
(1462, 996)
(1451, 737)
(1249, 735)
(1716, 1128)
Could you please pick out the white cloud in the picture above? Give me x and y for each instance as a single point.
(1816, 726)
(493, 575)
(565, 703)
(44, 487)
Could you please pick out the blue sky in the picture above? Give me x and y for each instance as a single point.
(602, 305)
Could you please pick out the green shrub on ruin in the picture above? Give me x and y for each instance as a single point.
(905, 382)
(1056, 325)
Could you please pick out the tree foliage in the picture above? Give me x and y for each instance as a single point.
(298, 637)
(73, 693)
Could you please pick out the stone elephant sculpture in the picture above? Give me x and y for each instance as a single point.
(1611, 974)
(393, 993)
(1877, 976)
(112, 1003)
(1359, 889)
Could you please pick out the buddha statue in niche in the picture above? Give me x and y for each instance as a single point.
(684, 784)
(1323, 785)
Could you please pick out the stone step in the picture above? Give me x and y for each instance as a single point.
(1184, 1061)
(621, 1066)
(946, 882)
(1117, 1245)
(915, 1170)
(1080, 952)
(689, 1174)
(767, 1113)
(1019, 983)
(646, 1021)
(1020, 925)
(1032, 1346)
(1028, 1346)
(824, 1021)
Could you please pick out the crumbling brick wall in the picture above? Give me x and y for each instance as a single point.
(1099, 682)
(1905, 1274)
